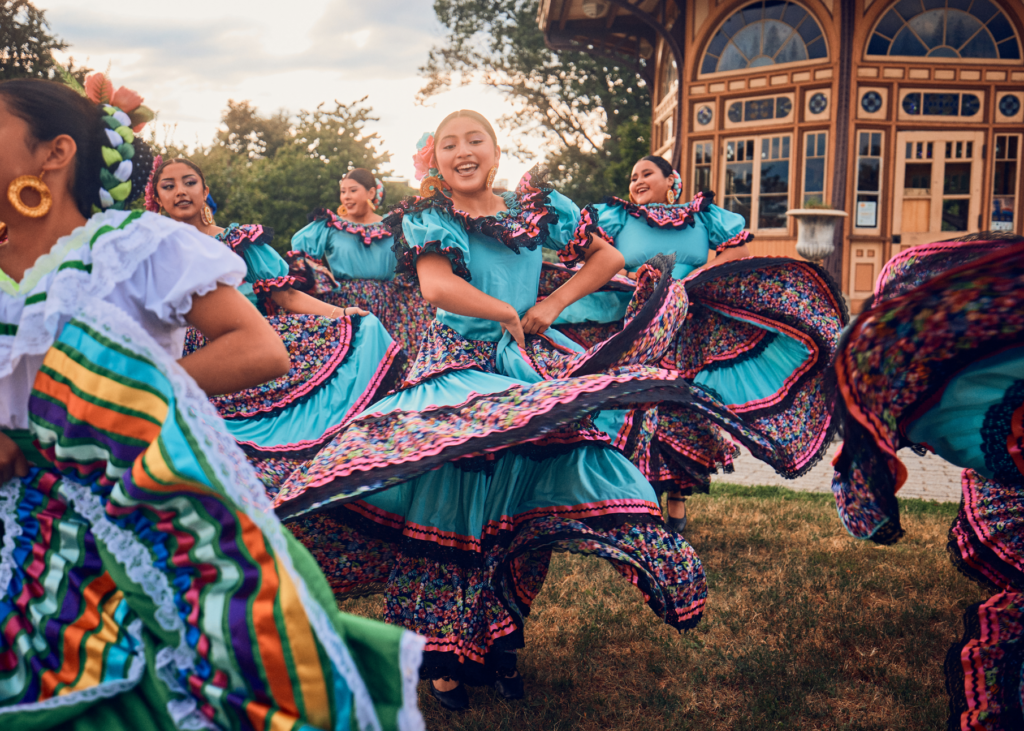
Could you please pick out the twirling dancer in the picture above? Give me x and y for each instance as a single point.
(342, 358)
(936, 362)
(347, 257)
(489, 455)
(760, 335)
(144, 582)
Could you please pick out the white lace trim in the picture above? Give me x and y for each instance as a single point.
(410, 655)
(96, 692)
(239, 483)
(184, 711)
(114, 257)
(10, 496)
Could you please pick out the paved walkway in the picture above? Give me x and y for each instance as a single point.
(930, 478)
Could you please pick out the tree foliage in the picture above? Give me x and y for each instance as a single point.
(26, 43)
(274, 170)
(591, 114)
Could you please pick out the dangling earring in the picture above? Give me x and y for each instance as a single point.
(30, 181)
(206, 216)
(490, 177)
(670, 197)
(631, 198)
(3, 235)
(371, 205)
(343, 211)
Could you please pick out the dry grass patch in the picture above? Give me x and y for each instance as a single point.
(805, 628)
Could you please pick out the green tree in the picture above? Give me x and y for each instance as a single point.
(26, 44)
(275, 170)
(589, 112)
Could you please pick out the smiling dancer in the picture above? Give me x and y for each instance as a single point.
(935, 361)
(341, 361)
(488, 451)
(143, 582)
(760, 335)
(347, 257)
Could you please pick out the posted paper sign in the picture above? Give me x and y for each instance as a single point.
(867, 214)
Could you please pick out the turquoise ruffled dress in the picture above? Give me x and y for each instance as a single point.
(759, 337)
(352, 264)
(452, 492)
(339, 367)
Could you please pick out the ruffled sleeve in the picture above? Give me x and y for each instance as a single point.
(570, 229)
(725, 228)
(312, 239)
(432, 231)
(611, 219)
(185, 265)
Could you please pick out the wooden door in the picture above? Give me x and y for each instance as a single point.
(938, 186)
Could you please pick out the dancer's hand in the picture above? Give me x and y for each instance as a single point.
(356, 311)
(539, 317)
(515, 329)
(12, 461)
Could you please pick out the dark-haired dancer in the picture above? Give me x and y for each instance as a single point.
(342, 358)
(488, 451)
(347, 257)
(936, 362)
(144, 584)
(760, 334)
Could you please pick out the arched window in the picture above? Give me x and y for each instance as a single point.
(945, 29)
(669, 74)
(762, 34)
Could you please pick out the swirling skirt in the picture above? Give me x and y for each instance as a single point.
(338, 368)
(936, 362)
(453, 492)
(145, 582)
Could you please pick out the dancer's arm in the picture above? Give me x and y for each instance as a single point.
(730, 254)
(243, 351)
(12, 461)
(443, 288)
(301, 303)
(601, 262)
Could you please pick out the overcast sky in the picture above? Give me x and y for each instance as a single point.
(188, 57)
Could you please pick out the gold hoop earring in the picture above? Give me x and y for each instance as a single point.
(432, 184)
(632, 199)
(490, 177)
(206, 216)
(3, 235)
(343, 211)
(30, 181)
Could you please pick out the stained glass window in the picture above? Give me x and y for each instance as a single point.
(945, 29)
(763, 34)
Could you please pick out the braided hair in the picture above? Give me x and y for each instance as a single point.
(111, 164)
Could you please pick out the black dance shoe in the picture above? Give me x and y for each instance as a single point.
(510, 688)
(677, 525)
(456, 699)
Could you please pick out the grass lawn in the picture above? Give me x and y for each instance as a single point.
(805, 628)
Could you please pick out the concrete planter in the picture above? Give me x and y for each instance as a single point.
(816, 229)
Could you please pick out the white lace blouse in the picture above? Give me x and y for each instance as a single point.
(149, 266)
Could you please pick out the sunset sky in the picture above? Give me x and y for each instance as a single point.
(188, 57)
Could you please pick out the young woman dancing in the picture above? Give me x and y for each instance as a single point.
(488, 452)
(347, 257)
(342, 359)
(143, 584)
(760, 335)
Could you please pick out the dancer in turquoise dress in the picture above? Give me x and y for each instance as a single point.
(760, 335)
(342, 357)
(347, 257)
(935, 362)
(453, 492)
(144, 581)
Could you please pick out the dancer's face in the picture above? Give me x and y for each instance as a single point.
(355, 197)
(181, 192)
(648, 184)
(465, 155)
